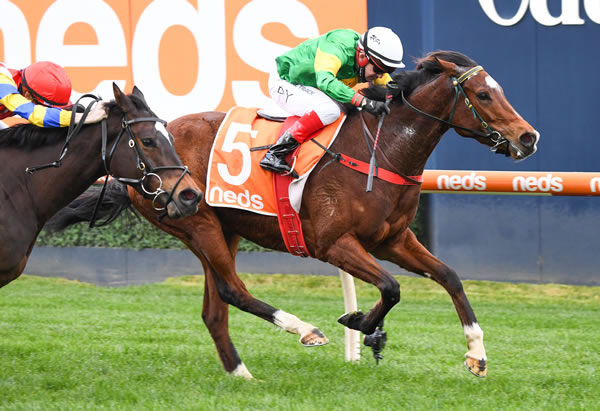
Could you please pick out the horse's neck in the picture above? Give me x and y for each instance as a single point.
(80, 168)
(413, 137)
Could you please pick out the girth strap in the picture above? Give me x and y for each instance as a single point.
(380, 173)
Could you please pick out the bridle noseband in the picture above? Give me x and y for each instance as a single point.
(496, 138)
(148, 171)
(143, 164)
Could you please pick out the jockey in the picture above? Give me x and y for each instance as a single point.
(39, 93)
(313, 80)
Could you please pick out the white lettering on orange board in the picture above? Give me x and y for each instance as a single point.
(260, 53)
(595, 185)
(243, 199)
(230, 145)
(468, 182)
(533, 184)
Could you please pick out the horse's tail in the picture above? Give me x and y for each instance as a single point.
(115, 201)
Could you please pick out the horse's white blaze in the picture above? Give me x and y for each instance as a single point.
(489, 80)
(162, 131)
(242, 371)
(291, 323)
(474, 336)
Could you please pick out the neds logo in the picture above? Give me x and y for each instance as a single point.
(595, 185)
(544, 184)
(456, 182)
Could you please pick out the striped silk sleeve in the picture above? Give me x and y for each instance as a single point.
(39, 115)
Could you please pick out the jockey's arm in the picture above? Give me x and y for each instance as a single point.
(38, 114)
(326, 67)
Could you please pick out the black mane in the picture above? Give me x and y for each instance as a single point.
(428, 68)
(28, 137)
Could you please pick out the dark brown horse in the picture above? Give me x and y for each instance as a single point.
(344, 225)
(128, 145)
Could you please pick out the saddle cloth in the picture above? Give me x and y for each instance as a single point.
(235, 178)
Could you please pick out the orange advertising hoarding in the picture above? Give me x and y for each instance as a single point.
(512, 182)
(186, 56)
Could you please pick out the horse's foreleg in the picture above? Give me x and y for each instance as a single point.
(349, 255)
(406, 251)
(8, 275)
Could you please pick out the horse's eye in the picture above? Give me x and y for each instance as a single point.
(148, 142)
(483, 96)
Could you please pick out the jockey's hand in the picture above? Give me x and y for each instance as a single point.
(375, 107)
(96, 114)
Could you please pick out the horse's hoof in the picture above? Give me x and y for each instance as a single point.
(241, 371)
(314, 339)
(376, 341)
(476, 367)
(352, 320)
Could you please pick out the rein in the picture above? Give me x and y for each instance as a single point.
(492, 134)
(412, 180)
(371, 169)
(143, 165)
(72, 131)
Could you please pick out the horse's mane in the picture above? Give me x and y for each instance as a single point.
(428, 67)
(28, 137)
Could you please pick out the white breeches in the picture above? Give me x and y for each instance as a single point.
(298, 100)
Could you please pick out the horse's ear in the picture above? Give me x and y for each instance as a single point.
(448, 67)
(138, 93)
(122, 100)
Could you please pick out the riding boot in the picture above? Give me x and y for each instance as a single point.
(301, 131)
(274, 160)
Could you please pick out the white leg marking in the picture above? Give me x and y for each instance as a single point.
(242, 371)
(474, 335)
(292, 324)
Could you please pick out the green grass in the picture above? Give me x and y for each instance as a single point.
(68, 345)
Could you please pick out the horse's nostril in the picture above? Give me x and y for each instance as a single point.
(527, 139)
(190, 196)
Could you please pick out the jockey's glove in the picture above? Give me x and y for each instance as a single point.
(374, 107)
(96, 114)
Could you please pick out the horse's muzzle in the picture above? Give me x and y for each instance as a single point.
(185, 203)
(527, 145)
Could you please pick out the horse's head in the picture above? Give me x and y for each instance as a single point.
(481, 110)
(142, 155)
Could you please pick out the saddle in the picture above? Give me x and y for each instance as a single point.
(236, 180)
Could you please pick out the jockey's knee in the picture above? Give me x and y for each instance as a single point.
(329, 112)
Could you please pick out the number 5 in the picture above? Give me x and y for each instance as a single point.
(229, 144)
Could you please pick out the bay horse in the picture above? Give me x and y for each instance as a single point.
(343, 224)
(144, 158)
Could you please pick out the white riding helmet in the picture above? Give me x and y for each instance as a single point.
(383, 45)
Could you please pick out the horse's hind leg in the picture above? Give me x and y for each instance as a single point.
(406, 251)
(203, 235)
(215, 313)
(221, 263)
